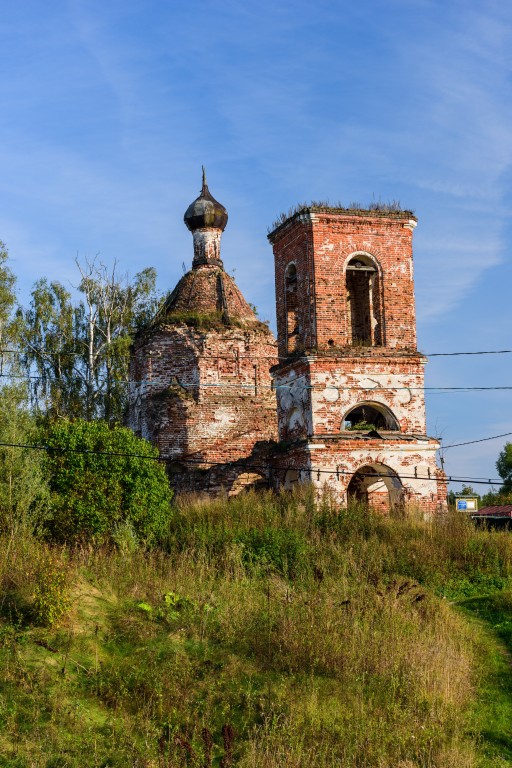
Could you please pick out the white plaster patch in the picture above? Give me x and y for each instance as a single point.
(331, 394)
(369, 383)
(222, 419)
(404, 396)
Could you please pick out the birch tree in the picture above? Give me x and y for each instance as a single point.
(80, 350)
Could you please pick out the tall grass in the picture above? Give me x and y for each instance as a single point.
(264, 632)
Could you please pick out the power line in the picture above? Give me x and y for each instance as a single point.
(251, 386)
(338, 471)
(69, 353)
(85, 451)
(472, 442)
(246, 465)
(453, 354)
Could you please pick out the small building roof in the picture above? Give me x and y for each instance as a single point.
(502, 510)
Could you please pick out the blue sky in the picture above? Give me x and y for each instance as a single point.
(110, 109)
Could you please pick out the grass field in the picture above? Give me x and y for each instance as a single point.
(263, 632)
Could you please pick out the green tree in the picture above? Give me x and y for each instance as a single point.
(10, 326)
(103, 479)
(504, 467)
(7, 296)
(49, 342)
(23, 491)
(79, 351)
(22, 488)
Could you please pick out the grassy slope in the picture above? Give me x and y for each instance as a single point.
(267, 634)
(492, 614)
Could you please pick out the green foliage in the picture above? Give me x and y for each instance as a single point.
(215, 652)
(51, 599)
(360, 425)
(496, 498)
(174, 607)
(7, 297)
(275, 549)
(258, 545)
(504, 467)
(493, 709)
(103, 481)
(204, 321)
(80, 350)
(23, 489)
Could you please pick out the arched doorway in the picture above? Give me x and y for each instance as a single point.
(378, 486)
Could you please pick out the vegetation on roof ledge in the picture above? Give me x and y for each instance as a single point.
(207, 321)
(373, 208)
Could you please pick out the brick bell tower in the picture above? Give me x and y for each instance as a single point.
(349, 381)
(201, 388)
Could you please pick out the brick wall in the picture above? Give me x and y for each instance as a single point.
(355, 345)
(330, 464)
(321, 245)
(203, 396)
(315, 393)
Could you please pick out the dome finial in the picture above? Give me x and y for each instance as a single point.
(206, 218)
(205, 211)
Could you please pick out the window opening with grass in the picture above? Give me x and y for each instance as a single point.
(370, 416)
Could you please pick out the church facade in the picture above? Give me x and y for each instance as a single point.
(338, 400)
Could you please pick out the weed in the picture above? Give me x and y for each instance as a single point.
(268, 632)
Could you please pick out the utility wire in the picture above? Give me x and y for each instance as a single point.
(310, 470)
(251, 386)
(472, 442)
(69, 353)
(454, 354)
(85, 451)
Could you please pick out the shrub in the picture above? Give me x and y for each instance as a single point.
(282, 550)
(51, 589)
(102, 480)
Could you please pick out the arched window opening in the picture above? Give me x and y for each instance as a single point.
(362, 283)
(248, 481)
(378, 487)
(291, 309)
(370, 416)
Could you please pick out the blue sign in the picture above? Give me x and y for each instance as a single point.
(462, 504)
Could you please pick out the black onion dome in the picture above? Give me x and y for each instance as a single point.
(205, 211)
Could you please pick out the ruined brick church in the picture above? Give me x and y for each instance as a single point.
(338, 401)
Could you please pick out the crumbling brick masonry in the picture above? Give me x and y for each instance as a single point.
(342, 391)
